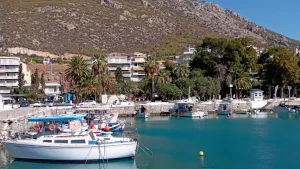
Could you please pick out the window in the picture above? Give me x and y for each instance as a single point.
(259, 94)
(77, 141)
(255, 94)
(61, 141)
(47, 141)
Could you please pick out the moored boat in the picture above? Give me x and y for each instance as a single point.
(142, 112)
(84, 146)
(186, 109)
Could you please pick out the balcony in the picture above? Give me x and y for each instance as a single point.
(126, 75)
(5, 91)
(115, 68)
(12, 63)
(9, 84)
(138, 73)
(8, 77)
(9, 70)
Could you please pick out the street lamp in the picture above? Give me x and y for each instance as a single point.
(230, 86)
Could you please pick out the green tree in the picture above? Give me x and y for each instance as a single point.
(100, 69)
(281, 67)
(169, 91)
(164, 76)
(35, 81)
(127, 87)
(76, 70)
(21, 80)
(184, 84)
(118, 75)
(151, 68)
(42, 82)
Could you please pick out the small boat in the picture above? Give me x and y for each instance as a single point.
(83, 146)
(142, 112)
(224, 108)
(186, 109)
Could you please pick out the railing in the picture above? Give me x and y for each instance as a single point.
(8, 77)
(9, 70)
(8, 84)
(126, 75)
(138, 74)
(115, 68)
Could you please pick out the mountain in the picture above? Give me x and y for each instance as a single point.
(85, 26)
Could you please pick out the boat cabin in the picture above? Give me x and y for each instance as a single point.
(183, 107)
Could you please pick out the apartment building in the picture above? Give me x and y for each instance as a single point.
(122, 61)
(132, 65)
(9, 73)
(138, 66)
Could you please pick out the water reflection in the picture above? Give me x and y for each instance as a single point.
(120, 164)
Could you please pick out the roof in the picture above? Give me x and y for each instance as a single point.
(256, 90)
(55, 118)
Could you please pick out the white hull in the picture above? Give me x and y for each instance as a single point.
(63, 152)
(142, 115)
(189, 114)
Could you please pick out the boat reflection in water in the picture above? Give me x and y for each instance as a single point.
(115, 164)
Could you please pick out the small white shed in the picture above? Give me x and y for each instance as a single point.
(256, 95)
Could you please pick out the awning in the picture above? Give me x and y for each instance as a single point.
(55, 118)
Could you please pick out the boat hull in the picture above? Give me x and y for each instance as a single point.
(188, 114)
(224, 112)
(62, 152)
(142, 115)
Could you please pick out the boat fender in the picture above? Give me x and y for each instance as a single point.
(52, 127)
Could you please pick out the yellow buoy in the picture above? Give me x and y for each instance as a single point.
(201, 153)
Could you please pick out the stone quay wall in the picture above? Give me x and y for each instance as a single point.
(159, 108)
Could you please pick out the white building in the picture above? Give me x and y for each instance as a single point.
(9, 74)
(132, 65)
(297, 51)
(122, 61)
(52, 90)
(187, 56)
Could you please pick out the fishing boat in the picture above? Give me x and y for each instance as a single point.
(142, 111)
(83, 146)
(186, 109)
(224, 108)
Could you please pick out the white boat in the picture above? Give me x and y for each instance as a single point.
(142, 111)
(224, 109)
(186, 109)
(76, 147)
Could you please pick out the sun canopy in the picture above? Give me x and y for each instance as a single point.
(55, 118)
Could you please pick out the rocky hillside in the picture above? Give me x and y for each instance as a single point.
(83, 26)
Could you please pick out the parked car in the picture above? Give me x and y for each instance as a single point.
(87, 103)
(24, 104)
(37, 104)
(49, 103)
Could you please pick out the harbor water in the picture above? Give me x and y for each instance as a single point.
(267, 141)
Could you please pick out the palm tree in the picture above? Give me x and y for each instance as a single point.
(181, 71)
(242, 83)
(77, 70)
(87, 86)
(164, 76)
(151, 68)
(100, 69)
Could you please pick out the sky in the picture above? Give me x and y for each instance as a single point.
(281, 16)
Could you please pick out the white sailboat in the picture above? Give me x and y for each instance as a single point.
(76, 147)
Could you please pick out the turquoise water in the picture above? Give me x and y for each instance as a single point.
(239, 142)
